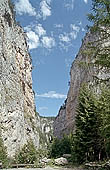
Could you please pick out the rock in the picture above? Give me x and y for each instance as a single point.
(65, 121)
(107, 165)
(45, 160)
(93, 165)
(46, 126)
(67, 155)
(18, 121)
(61, 161)
(0, 164)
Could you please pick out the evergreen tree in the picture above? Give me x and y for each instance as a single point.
(87, 139)
(104, 110)
(27, 154)
(100, 48)
(101, 13)
(60, 146)
(91, 141)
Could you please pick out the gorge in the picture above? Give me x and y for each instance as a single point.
(19, 121)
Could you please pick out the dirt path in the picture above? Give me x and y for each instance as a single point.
(47, 168)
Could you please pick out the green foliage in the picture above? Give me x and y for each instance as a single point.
(27, 155)
(91, 141)
(100, 17)
(104, 109)
(59, 147)
(87, 139)
(3, 153)
(101, 12)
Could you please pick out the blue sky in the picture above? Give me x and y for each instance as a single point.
(55, 29)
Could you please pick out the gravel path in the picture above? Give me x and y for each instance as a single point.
(47, 168)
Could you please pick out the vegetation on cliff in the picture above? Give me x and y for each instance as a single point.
(4, 159)
(100, 48)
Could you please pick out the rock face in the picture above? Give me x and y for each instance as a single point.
(17, 109)
(46, 126)
(80, 73)
(45, 129)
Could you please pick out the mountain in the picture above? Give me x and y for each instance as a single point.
(19, 122)
(82, 71)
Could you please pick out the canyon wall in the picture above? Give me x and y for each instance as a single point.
(18, 122)
(81, 72)
(46, 128)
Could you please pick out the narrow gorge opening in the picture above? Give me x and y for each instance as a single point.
(48, 116)
(53, 45)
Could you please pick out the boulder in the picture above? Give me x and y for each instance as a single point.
(61, 161)
(107, 164)
(67, 155)
(0, 164)
(45, 160)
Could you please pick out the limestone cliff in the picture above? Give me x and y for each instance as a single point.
(46, 128)
(17, 109)
(80, 73)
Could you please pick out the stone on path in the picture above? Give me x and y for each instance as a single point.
(61, 161)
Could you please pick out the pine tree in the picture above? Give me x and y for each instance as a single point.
(100, 48)
(104, 110)
(87, 139)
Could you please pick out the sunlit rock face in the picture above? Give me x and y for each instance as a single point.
(79, 74)
(17, 108)
(46, 127)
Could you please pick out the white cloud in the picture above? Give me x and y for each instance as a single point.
(74, 27)
(33, 40)
(52, 94)
(73, 35)
(37, 36)
(83, 30)
(74, 31)
(69, 4)
(45, 8)
(48, 1)
(64, 46)
(64, 37)
(58, 25)
(40, 30)
(68, 62)
(86, 1)
(43, 108)
(25, 7)
(80, 23)
(28, 28)
(48, 42)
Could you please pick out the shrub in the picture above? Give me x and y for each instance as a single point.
(60, 146)
(27, 155)
(3, 153)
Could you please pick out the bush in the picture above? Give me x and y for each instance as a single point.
(60, 146)
(3, 153)
(27, 155)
